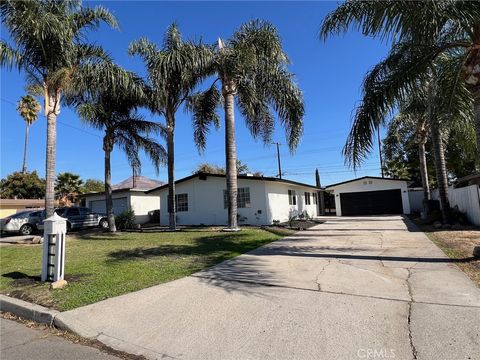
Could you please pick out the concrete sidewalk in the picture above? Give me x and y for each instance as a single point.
(352, 288)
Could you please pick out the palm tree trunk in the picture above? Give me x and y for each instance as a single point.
(422, 139)
(424, 176)
(476, 111)
(440, 168)
(52, 108)
(24, 166)
(172, 221)
(107, 148)
(231, 158)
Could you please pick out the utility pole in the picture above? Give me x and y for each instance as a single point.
(380, 150)
(278, 160)
(320, 194)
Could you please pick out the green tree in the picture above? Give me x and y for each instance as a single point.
(209, 169)
(67, 187)
(22, 186)
(433, 28)
(215, 169)
(93, 185)
(173, 73)
(252, 69)
(113, 110)
(28, 108)
(48, 45)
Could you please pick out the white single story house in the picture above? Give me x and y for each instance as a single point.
(126, 198)
(201, 200)
(370, 195)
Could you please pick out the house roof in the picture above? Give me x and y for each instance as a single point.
(23, 202)
(113, 191)
(247, 177)
(362, 178)
(141, 182)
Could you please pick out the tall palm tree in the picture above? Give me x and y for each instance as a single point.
(434, 28)
(113, 110)
(28, 108)
(174, 71)
(414, 115)
(48, 46)
(252, 70)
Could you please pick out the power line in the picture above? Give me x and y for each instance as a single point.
(61, 122)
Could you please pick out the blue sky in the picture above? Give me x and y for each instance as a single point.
(330, 75)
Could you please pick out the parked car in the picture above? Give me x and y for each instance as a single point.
(80, 217)
(25, 222)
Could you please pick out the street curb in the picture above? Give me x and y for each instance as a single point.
(28, 310)
(64, 322)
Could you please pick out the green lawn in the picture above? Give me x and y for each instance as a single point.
(99, 266)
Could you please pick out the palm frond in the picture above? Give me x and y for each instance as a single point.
(203, 106)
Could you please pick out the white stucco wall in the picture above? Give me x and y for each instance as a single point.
(205, 202)
(142, 203)
(138, 201)
(370, 184)
(277, 199)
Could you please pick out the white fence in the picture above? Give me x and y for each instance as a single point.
(467, 199)
(416, 200)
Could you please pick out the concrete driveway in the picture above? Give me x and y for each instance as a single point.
(351, 288)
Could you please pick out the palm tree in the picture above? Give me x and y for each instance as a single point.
(28, 108)
(173, 73)
(414, 115)
(433, 28)
(252, 69)
(47, 44)
(393, 83)
(67, 187)
(113, 110)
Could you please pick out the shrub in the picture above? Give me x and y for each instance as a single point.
(457, 216)
(125, 220)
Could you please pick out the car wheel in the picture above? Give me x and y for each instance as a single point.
(69, 227)
(104, 223)
(26, 229)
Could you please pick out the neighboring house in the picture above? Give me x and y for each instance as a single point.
(370, 195)
(12, 206)
(126, 197)
(201, 200)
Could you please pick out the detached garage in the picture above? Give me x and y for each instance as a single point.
(124, 199)
(370, 195)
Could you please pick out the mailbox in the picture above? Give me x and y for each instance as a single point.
(53, 264)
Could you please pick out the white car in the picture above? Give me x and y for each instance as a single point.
(25, 222)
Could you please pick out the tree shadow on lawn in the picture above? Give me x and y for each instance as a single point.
(239, 274)
(21, 279)
(216, 246)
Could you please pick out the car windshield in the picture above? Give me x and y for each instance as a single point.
(60, 211)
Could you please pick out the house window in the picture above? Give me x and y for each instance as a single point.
(181, 202)
(243, 198)
(314, 195)
(292, 199)
(307, 198)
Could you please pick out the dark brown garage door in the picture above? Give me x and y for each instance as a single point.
(372, 202)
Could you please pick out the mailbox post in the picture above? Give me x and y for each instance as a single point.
(53, 265)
